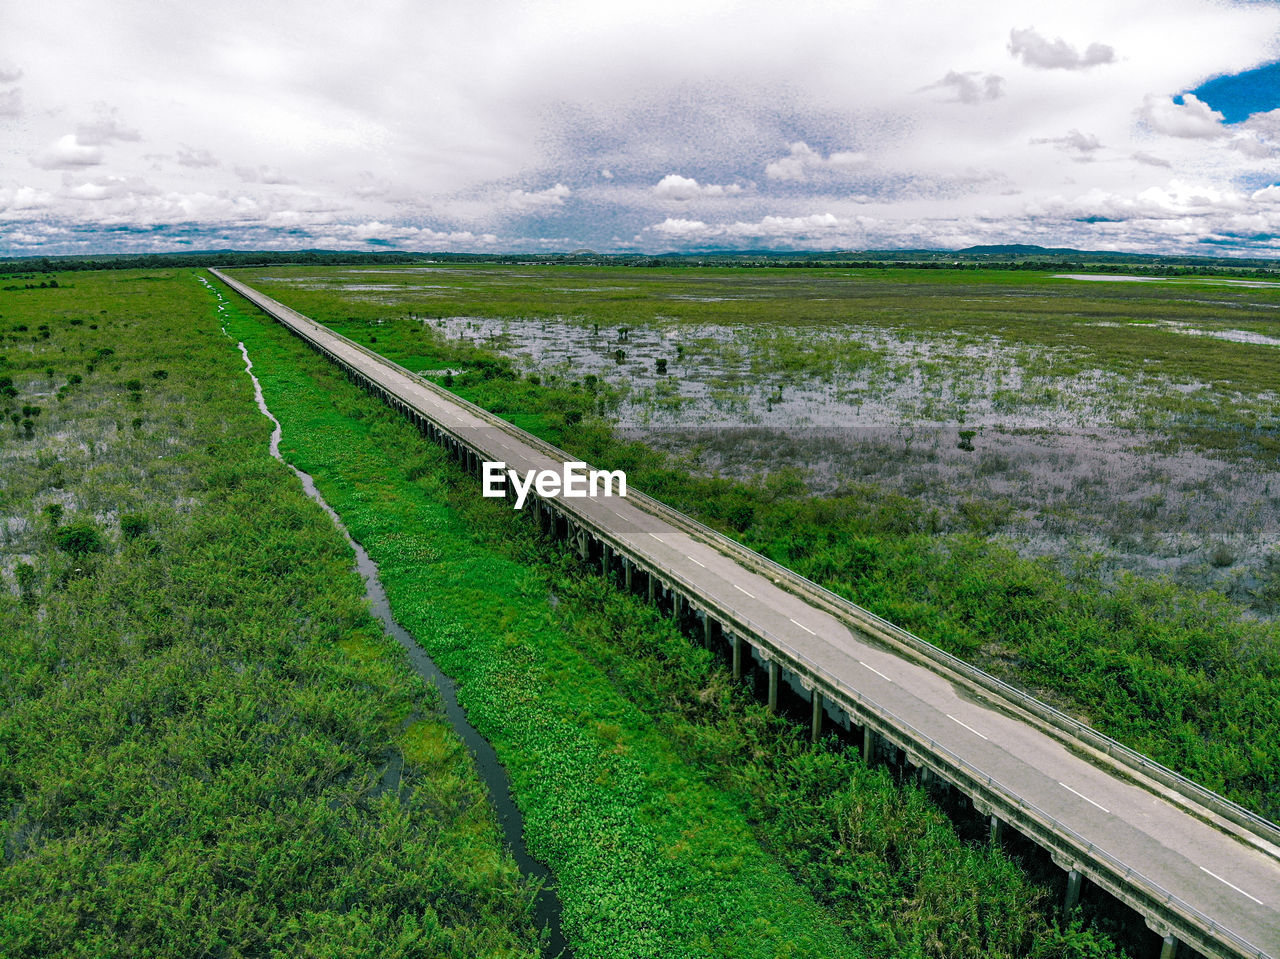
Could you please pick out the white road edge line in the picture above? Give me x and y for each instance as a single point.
(876, 671)
(692, 560)
(1233, 886)
(741, 590)
(805, 628)
(966, 726)
(1085, 798)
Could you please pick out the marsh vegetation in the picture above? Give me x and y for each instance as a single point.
(1114, 551)
(680, 818)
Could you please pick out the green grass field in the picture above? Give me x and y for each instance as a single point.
(196, 708)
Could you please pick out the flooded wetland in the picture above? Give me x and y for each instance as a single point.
(1109, 425)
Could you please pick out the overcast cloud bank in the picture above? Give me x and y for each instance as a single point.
(570, 124)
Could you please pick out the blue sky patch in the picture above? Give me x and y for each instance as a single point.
(1240, 95)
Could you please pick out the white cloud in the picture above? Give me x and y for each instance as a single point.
(1150, 159)
(104, 130)
(11, 102)
(110, 188)
(673, 186)
(196, 159)
(24, 198)
(803, 161)
(770, 227)
(377, 232)
(1077, 145)
(1191, 119)
(552, 196)
(971, 86)
(1270, 194)
(437, 121)
(679, 227)
(1044, 54)
(67, 152)
(267, 175)
(1251, 145)
(780, 227)
(10, 74)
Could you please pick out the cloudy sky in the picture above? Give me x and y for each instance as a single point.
(489, 125)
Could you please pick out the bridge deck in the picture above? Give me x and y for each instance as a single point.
(1235, 884)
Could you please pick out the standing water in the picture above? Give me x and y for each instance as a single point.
(492, 772)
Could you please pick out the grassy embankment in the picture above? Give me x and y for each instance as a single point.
(680, 819)
(1179, 674)
(196, 707)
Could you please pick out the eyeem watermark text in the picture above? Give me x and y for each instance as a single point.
(574, 481)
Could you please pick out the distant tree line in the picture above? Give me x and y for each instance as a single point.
(986, 258)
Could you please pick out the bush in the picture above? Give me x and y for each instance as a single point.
(133, 525)
(26, 575)
(80, 538)
(54, 512)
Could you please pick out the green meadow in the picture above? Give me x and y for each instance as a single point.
(196, 708)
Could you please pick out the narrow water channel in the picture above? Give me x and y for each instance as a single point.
(492, 772)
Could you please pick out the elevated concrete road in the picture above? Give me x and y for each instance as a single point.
(1194, 878)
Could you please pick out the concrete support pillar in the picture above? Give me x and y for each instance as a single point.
(606, 559)
(868, 744)
(774, 672)
(1169, 948)
(737, 656)
(1075, 879)
(627, 567)
(997, 830)
(652, 588)
(815, 727)
(708, 625)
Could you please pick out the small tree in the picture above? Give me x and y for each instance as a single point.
(80, 538)
(26, 575)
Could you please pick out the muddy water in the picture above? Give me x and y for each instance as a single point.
(492, 772)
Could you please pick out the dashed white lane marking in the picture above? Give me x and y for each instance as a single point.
(741, 590)
(1084, 797)
(876, 671)
(966, 726)
(657, 537)
(1232, 885)
(805, 628)
(692, 560)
